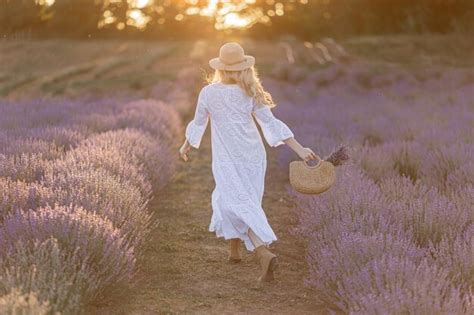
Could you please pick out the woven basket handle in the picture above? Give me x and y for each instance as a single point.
(315, 166)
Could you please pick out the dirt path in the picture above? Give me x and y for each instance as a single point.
(185, 270)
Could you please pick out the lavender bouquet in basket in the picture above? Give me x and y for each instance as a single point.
(338, 156)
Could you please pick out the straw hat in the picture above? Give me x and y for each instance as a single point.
(232, 58)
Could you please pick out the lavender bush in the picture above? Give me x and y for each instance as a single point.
(75, 181)
(109, 158)
(101, 193)
(155, 117)
(457, 256)
(52, 278)
(23, 166)
(394, 285)
(99, 244)
(394, 234)
(62, 137)
(137, 148)
(47, 150)
(17, 195)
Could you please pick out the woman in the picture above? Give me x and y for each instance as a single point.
(233, 96)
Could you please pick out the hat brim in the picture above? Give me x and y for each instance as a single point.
(217, 64)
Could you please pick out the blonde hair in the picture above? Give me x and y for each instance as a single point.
(248, 80)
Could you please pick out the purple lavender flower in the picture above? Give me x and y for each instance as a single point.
(394, 234)
(98, 243)
(338, 157)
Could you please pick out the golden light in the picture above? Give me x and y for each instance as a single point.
(137, 18)
(210, 9)
(192, 11)
(233, 20)
(227, 14)
(47, 3)
(140, 4)
(108, 17)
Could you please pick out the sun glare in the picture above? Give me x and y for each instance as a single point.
(227, 14)
(140, 4)
(137, 18)
(47, 3)
(234, 20)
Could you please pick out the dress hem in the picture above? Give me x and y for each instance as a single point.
(244, 237)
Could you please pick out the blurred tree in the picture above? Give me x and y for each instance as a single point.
(19, 15)
(262, 18)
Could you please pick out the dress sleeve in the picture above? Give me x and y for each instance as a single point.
(274, 130)
(196, 127)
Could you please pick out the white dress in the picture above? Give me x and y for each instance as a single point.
(238, 158)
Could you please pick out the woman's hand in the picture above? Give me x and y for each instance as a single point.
(304, 153)
(307, 154)
(183, 151)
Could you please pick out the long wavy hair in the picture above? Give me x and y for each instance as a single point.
(248, 80)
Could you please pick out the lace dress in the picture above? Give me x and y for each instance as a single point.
(238, 158)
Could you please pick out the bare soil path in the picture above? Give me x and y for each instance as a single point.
(185, 269)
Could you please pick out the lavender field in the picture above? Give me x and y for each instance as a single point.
(76, 179)
(395, 235)
(97, 216)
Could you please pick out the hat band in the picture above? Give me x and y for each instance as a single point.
(233, 63)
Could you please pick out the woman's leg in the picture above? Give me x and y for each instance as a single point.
(234, 250)
(256, 241)
(266, 258)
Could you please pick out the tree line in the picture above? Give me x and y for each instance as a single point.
(306, 19)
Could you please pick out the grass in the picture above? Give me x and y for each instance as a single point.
(36, 68)
(414, 50)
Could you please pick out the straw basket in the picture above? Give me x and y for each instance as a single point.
(312, 179)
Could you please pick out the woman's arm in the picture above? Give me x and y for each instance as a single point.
(196, 127)
(304, 153)
(277, 132)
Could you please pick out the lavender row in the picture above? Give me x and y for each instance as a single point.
(76, 178)
(396, 232)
